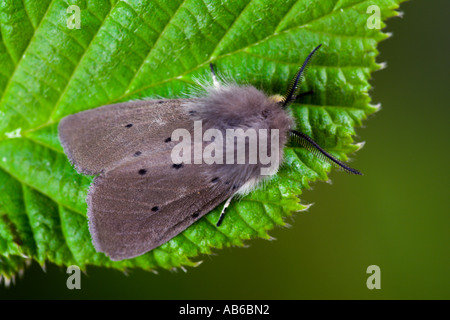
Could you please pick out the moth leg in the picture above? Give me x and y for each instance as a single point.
(222, 214)
(213, 75)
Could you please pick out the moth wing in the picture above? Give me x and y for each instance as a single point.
(131, 212)
(98, 139)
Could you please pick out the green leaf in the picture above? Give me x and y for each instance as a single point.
(133, 49)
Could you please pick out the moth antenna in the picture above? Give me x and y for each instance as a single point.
(213, 75)
(308, 143)
(290, 94)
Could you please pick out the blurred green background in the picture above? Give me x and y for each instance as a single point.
(396, 216)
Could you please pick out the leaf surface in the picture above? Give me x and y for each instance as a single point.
(136, 49)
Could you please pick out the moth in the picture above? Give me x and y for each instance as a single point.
(142, 198)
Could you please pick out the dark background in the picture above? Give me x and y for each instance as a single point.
(396, 216)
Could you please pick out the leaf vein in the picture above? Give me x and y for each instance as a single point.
(76, 67)
(154, 45)
(24, 53)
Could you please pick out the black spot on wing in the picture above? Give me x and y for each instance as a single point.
(195, 214)
(142, 172)
(178, 166)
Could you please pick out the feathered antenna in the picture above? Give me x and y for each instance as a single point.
(308, 143)
(293, 87)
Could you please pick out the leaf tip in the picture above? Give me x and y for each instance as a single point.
(359, 145)
(287, 225)
(197, 263)
(376, 107)
(305, 207)
(382, 65)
